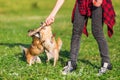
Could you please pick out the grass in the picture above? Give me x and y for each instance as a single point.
(17, 17)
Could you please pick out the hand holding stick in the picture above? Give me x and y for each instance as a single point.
(36, 30)
(97, 3)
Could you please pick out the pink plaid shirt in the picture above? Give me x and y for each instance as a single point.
(85, 7)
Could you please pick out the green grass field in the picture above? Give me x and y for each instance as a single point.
(17, 17)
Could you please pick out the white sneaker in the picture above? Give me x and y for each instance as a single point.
(67, 69)
(104, 68)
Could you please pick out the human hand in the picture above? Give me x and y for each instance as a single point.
(97, 3)
(49, 20)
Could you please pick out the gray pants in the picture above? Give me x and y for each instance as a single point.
(97, 31)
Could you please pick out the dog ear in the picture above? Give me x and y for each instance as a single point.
(54, 34)
(41, 23)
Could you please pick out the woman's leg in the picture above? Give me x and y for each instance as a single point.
(98, 34)
(78, 25)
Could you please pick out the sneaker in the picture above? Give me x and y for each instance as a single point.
(105, 67)
(68, 68)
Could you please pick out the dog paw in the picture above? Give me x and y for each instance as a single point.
(37, 59)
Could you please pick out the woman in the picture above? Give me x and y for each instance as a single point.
(100, 11)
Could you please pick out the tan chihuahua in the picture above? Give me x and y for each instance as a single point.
(52, 47)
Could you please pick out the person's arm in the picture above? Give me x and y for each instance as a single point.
(50, 19)
(97, 3)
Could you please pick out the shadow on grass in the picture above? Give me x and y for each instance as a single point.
(20, 56)
(87, 62)
(43, 57)
(64, 55)
(13, 44)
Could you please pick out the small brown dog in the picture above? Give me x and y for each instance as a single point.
(51, 46)
(43, 40)
(31, 53)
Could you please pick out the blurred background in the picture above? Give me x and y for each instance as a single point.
(18, 16)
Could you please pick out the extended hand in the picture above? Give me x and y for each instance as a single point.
(49, 20)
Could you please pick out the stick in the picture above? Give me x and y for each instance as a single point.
(36, 30)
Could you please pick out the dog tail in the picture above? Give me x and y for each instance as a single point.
(59, 43)
(23, 50)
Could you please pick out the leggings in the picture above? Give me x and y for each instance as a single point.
(97, 31)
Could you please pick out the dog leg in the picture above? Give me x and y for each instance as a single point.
(49, 55)
(31, 62)
(55, 61)
(56, 55)
(37, 59)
